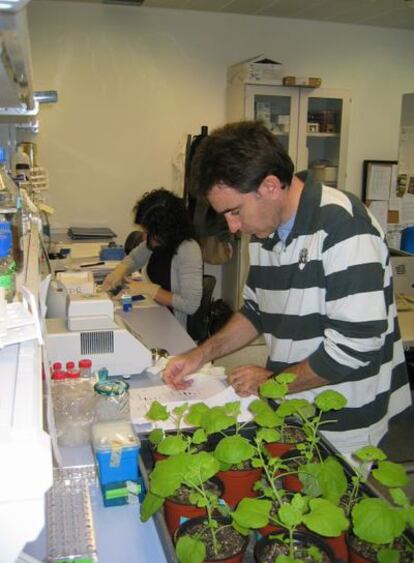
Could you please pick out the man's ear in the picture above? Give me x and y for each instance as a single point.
(270, 186)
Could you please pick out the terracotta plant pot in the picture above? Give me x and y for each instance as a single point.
(238, 484)
(196, 524)
(339, 547)
(176, 513)
(277, 449)
(263, 550)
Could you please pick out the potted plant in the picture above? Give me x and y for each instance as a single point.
(378, 525)
(184, 484)
(287, 429)
(291, 542)
(166, 444)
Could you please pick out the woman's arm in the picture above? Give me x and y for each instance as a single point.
(186, 278)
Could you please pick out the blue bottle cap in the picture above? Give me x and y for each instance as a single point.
(5, 243)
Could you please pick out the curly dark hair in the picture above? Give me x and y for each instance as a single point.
(165, 217)
(239, 155)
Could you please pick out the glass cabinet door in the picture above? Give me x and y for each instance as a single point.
(278, 108)
(323, 131)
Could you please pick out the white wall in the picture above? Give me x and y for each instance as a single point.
(132, 82)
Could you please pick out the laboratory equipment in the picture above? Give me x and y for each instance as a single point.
(91, 329)
(112, 400)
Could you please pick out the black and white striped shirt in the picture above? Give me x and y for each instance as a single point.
(326, 295)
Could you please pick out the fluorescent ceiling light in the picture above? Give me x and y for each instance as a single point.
(4, 6)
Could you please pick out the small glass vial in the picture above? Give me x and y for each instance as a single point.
(58, 375)
(85, 368)
(112, 400)
(73, 374)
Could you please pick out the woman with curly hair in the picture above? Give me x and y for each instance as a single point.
(169, 256)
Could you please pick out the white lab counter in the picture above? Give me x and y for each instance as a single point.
(120, 536)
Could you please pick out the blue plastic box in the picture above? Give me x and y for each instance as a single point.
(116, 450)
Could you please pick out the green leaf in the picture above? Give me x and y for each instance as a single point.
(388, 555)
(252, 513)
(166, 476)
(409, 515)
(157, 411)
(190, 550)
(292, 407)
(287, 559)
(179, 411)
(285, 377)
(391, 474)
(234, 450)
(330, 400)
(326, 479)
(199, 436)
(325, 519)
(399, 497)
(290, 516)
(196, 414)
(268, 435)
(376, 521)
(200, 468)
(273, 390)
(232, 408)
(155, 436)
(150, 505)
(264, 415)
(216, 420)
(172, 445)
(315, 553)
(370, 453)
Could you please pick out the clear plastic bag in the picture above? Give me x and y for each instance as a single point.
(74, 407)
(112, 400)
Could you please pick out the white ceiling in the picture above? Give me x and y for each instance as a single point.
(381, 13)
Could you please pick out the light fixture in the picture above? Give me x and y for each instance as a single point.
(13, 5)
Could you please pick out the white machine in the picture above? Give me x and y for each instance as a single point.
(92, 330)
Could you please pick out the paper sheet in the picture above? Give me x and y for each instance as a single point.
(212, 391)
(379, 181)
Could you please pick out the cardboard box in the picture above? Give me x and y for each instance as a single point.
(307, 81)
(258, 70)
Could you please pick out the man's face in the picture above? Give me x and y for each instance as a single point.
(251, 213)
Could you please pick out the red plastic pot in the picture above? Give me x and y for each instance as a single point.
(236, 558)
(176, 513)
(238, 484)
(277, 449)
(339, 546)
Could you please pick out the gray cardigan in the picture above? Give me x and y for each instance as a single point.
(186, 276)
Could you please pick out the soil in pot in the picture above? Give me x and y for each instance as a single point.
(232, 544)
(290, 436)
(238, 483)
(363, 552)
(178, 508)
(267, 550)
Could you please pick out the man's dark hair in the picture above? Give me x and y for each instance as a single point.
(239, 155)
(165, 218)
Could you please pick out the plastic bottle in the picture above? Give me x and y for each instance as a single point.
(7, 266)
(18, 160)
(73, 374)
(70, 369)
(58, 375)
(85, 368)
(56, 366)
(11, 209)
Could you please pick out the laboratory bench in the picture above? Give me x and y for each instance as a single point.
(120, 536)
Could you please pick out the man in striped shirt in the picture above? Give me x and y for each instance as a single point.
(319, 286)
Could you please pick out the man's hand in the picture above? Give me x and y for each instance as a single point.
(179, 367)
(247, 379)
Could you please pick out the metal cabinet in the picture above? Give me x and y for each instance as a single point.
(311, 123)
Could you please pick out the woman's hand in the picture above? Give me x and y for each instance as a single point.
(247, 379)
(134, 287)
(115, 277)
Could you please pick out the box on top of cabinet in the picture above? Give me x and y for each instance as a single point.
(257, 70)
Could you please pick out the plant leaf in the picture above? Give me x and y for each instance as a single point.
(234, 450)
(268, 435)
(285, 377)
(292, 407)
(172, 445)
(273, 390)
(289, 515)
(287, 559)
(190, 550)
(216, 420)
(399, 497)
(155, 436)
(370, 453)
(198, 468)
(325, 519)
(376, 521)
(388, 555)
(264, 415)
(391, 474)
(165, 478)
(199, 436)
(252, 513)
(150, 505)
(157, 411)
(196, 413)
(330, 400)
